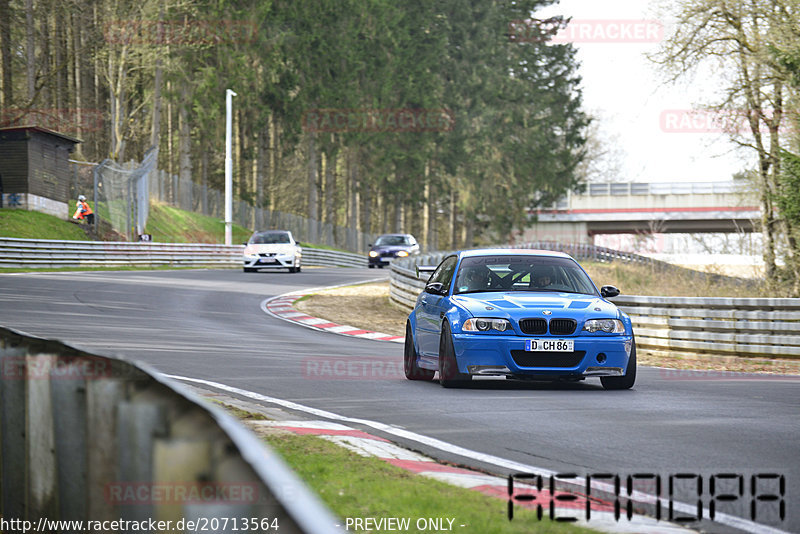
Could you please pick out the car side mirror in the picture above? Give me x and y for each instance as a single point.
(608, 292)
(369, 244)
(436, 288)
(424, 269)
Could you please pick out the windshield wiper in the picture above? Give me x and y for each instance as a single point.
(542, 290)
(494, 290)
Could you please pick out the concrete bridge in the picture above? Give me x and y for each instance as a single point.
(646, 208)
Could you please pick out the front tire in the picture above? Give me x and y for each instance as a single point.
(449, 376)
(625, 381)
(412, 370)
(248, 269)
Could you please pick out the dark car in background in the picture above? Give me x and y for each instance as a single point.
(390, 246)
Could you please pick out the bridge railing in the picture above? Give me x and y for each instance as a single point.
(713, 326)
(662, 188)
(92, 438)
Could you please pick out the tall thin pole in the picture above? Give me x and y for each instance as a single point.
(228, 167)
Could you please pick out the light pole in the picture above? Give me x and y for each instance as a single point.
(228, 167)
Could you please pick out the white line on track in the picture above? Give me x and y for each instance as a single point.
(637, 496)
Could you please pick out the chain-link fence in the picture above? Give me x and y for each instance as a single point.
(189, 196)
(81, 182)
(121, 194)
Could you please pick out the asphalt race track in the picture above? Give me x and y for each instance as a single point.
(209, 325)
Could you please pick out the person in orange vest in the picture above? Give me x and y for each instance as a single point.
(84, 211)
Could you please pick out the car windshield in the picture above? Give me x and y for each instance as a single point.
(522, 273)
(392, 240)
(270, 238)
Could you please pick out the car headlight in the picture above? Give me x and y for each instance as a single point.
(402, 253)
(609, 326)
(373, 254)
(249, 251)
(480, 324)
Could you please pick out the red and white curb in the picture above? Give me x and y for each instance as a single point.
(282, 307)
(602, 512)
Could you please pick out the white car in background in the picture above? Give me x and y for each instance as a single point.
(272, 249)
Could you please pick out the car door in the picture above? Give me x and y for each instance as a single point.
(431, 307)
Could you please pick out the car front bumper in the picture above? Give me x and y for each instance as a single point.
(282, 261)
(497, 355)
(381, 261)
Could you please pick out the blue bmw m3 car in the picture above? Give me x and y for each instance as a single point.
(522, 314)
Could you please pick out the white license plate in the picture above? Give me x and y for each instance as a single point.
(549, 345)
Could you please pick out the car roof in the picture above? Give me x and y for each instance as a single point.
(513, 252)
(403, 235)
(272, 232)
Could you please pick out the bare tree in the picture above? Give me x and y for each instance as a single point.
(603, 157)
(734, 38)
(5, 53)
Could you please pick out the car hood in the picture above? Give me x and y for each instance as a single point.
(277, 248)
(518, 304)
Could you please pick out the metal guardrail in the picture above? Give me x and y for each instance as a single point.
(45, 253)
(719, 326)
(715, 326)
(92, 438)
(317, 257)
(28, 253)
(404, 286)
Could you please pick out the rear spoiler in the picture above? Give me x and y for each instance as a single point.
(425, 269)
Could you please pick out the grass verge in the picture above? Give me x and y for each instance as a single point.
(168, 224)
(23, 224)
(353, 486)
(365, 306)
(633, 279)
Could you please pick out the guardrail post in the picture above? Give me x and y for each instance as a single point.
(102, 457)
(139, 424)
(42, 484)
(68, 392)
(12, 429)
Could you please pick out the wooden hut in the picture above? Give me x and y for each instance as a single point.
(35, 169)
